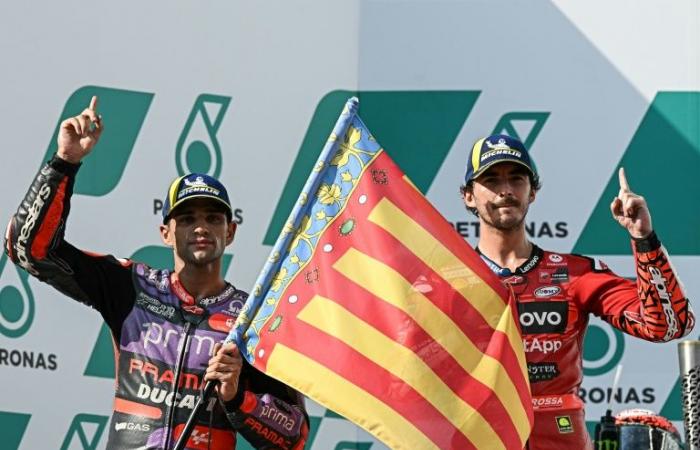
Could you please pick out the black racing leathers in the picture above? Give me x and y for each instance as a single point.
(163, 338)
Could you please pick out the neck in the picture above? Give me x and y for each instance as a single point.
(201, 281)
(507, 248)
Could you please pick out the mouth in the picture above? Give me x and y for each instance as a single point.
(506, 205)
(201, 243)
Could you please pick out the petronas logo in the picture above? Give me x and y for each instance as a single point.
(524, 126)
(198, 148)
(602, 349)
(85, 432)
(16, 300)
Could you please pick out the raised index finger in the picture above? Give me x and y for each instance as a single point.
(93, 103)
(624, 186)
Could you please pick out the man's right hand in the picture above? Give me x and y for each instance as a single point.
(78, 135)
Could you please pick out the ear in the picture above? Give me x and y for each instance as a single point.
(469, 199)
(533, 194)
(231, 232)
(166, 235)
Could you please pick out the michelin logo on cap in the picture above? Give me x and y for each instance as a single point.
(198, 185)
(500, 148)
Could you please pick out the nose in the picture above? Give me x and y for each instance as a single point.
(505, 188)
(200, 226)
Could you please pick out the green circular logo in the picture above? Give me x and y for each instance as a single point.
(16, 307)
(603, 348)
(198, 157)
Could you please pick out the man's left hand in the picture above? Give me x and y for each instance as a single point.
(225, 367)
(631, 210)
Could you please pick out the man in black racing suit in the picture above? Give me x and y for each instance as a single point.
(167, 325)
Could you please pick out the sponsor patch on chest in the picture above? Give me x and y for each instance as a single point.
(547, 291)
(558, 275)
(541, 317)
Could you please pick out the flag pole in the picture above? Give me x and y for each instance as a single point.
(192, 419)
(287, 234)
(272, 263)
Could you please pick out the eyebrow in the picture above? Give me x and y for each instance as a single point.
(209, 210)
(516, 170)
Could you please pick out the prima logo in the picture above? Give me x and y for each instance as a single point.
(165, 336)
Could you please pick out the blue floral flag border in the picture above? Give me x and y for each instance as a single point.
(292, 230)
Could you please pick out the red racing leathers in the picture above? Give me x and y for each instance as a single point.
(161, 334)
(555, 294)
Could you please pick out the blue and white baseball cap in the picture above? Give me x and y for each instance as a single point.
(495, 149)
(194, 185)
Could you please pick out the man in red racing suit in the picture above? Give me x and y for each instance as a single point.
(555, 293)
(167, 325)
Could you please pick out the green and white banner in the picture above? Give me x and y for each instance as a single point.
(195, 86)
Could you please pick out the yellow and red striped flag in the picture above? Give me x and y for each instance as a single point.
(373, 306)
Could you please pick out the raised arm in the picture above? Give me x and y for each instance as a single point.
(656, 308)
(35, 235)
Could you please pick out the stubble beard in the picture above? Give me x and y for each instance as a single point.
(505, 225)
(202, 258)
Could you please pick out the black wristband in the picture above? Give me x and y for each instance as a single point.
(63, 166)
(647, 244)
(234, 404)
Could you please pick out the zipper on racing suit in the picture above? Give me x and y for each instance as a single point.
(176, 382)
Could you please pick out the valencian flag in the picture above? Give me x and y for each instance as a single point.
(373, 306)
